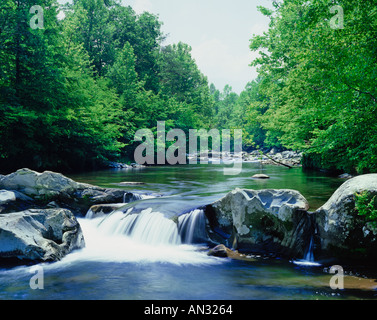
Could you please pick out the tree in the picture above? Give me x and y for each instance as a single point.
(181, 78)
(54, 114)
(318, 81)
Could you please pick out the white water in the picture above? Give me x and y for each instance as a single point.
(192, 225)
(147, 237)
(148, 227)
(309, 257)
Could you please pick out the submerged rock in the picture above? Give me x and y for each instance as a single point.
(343, 232)
(39, 235)
(263, 221)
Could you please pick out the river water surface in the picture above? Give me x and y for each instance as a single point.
(154, 263)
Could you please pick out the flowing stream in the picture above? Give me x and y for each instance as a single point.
(140, 252)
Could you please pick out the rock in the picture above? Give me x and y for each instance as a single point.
(130, 183)
(273, 151)
(35, 184)
(7, 196)
(50, 187)
(344, 233)
(260, 176)
(222, 251)
(264, 221)
(102, 210)
(118, 165)
(39, 235)
(345, 176)
(11, 201)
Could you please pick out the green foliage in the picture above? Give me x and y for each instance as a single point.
(318, 82)
(72, 95)
(366, 206)
(242, 111)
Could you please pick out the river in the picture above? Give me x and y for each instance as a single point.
(118, 266)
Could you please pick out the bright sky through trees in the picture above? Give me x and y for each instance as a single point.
(218, 32)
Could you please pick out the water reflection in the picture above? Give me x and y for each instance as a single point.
(209, 181)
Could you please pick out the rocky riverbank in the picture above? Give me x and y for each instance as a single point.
(38, 219)
(285, 158)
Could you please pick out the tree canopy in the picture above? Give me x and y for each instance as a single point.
(317, 69)
(74, 92)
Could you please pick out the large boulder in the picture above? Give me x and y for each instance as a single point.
(39, 235)
(343, 232)
(51, 186)
(262, 222)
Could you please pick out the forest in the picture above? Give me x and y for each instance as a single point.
(73, 94)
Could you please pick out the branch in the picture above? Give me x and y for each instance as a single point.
(283, 164)
(362, 92)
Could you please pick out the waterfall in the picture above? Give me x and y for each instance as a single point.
(148, 226)
(309, 256)
(89, 214)
(145, 231)
(192, 226)
(152, 227)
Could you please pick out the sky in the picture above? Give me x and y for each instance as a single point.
(219, 32)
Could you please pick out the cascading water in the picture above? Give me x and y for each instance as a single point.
(143, 234)
(309, 256)
(192, 226)
(152, 227)
(146, 227)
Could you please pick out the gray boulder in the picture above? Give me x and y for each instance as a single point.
(39, 235)
(51, 186)
(263, 221)
(343, 232)
(38, 185)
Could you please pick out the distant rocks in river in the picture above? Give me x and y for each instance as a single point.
(345, 176)
(129, 183)
(119, 165)
(289, 158)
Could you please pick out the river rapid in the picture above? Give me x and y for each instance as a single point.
(145, 257)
